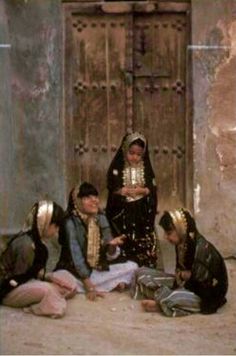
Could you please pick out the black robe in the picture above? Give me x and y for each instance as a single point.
(134, 219)
(209, 278)
(21, 261)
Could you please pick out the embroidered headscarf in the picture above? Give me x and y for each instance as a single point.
(93, 229)
(179, 222)
(118, 163)
(41, 212)
(183, 222)
(132, 137)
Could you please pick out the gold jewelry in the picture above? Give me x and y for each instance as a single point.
(180, 222)
(44, 216)
(93, 233)
(131, 138)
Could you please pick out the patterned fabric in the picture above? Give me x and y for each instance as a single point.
(180, 302)
(147, 280)
(134, 176)
(205, 291)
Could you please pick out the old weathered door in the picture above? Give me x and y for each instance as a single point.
(125, 69)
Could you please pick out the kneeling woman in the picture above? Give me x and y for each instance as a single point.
(88, 246)
(200, 283)
(23, 281)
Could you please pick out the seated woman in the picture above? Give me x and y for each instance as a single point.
(132, 200)
(23, 281)
(88, 246)
(200, 283)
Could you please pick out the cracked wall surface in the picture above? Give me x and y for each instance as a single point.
(31, 144)
(214, 118)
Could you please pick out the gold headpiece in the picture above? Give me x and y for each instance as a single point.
(75, 199)
(131, 138)
(180, 222)
(44, 217)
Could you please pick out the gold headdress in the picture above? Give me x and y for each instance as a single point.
(180, 222)
(44, 217)
(131, 138)
(75, 200)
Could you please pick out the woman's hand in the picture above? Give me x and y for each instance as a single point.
(92, 295)
(125, 191)
(185, 275)
(141, 191)
(117, 241)
(134, 191)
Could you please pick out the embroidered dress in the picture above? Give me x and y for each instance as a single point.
(133, 216)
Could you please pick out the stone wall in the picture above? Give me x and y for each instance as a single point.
(214, 116)
(31, 127)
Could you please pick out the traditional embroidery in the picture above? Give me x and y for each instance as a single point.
(133, 177)
(93, 234)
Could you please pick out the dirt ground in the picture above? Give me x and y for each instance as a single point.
(118, 325)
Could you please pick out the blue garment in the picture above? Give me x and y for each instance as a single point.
(73, 239)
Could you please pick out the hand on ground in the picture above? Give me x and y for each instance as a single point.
(93, 295)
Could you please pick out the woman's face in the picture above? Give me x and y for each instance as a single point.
(89, 205)
(172, 237)
(134, 154)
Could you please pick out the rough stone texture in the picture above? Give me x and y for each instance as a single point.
(214, 88)
(31, 123)
(6, 123)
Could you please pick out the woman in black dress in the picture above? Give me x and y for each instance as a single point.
(132, 200)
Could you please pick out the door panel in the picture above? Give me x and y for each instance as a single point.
(96, 91)
(159, 99)
(125, 70)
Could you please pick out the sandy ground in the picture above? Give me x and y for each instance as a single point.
(117, 325)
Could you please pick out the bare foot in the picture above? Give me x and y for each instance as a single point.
(149, 305)
(121, 287)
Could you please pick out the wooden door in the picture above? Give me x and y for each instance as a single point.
(160, 44)
(125, 69)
